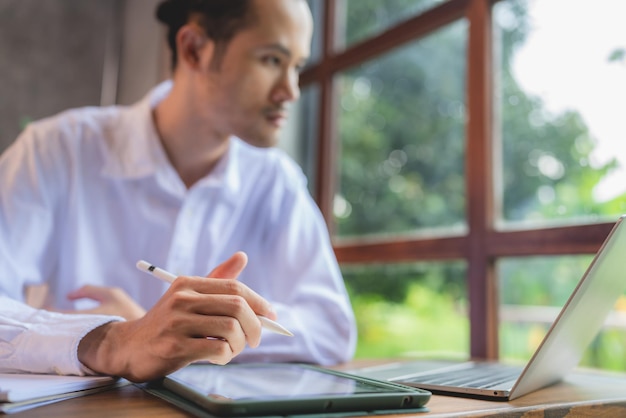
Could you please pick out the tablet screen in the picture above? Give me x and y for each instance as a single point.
(270, 381)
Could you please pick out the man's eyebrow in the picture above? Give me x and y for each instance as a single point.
(277, 47)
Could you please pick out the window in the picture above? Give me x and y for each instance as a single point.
(299, 136)
(401, 134)
(445, 167)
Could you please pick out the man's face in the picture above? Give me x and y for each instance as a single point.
(258, 74)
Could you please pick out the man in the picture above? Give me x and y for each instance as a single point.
(184, 179)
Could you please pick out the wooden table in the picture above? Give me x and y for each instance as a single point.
(582, 394)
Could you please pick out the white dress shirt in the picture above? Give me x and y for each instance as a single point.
(88, 192)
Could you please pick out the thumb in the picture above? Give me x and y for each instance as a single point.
(231, 268)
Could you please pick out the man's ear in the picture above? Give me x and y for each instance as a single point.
(195, 49)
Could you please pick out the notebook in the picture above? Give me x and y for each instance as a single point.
(19, 392)
(578, 323)
(21, 387)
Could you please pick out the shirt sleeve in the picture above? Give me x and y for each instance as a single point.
(30, 178)
(39, 341)
(308, 293)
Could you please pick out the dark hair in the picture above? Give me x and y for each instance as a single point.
(220, 20)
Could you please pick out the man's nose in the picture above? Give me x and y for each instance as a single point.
(288, 89)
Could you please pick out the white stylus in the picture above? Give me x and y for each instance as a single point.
(168, 277)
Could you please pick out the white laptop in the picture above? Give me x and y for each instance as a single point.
(578, 323)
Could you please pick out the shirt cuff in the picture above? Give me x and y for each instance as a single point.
(50, 345)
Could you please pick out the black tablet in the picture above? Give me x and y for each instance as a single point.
(287, 389)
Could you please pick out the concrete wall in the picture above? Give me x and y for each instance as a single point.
(59, 54)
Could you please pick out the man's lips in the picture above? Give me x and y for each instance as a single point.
(276, 117)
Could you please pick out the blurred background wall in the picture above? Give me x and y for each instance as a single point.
(59, 54)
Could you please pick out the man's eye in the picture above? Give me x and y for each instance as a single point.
(272, 60)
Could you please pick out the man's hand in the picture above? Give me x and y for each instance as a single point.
(113, 301)
(196, 319)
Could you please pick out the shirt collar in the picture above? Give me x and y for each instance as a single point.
(135, 150)
(133, 145)
(226, 173)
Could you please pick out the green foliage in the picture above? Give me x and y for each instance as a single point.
(519, 341)
(426, 321)
(402, 138)
(406, 309)
(608, 351)
(540, 281)
(391, 282)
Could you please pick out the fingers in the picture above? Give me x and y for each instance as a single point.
(212, 286)
(227, 330)
(112, 301)
(88, 292)
(216, 351)
(231, 269)
(221, 308)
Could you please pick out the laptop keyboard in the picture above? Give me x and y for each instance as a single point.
(479, 376)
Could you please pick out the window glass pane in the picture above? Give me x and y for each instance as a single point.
(299, 137)
(401, 131)
(416, 309)
(559, 106)
(532, 293)
(317, 11)
(361, 19)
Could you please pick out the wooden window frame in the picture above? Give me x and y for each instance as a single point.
(483, 244)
